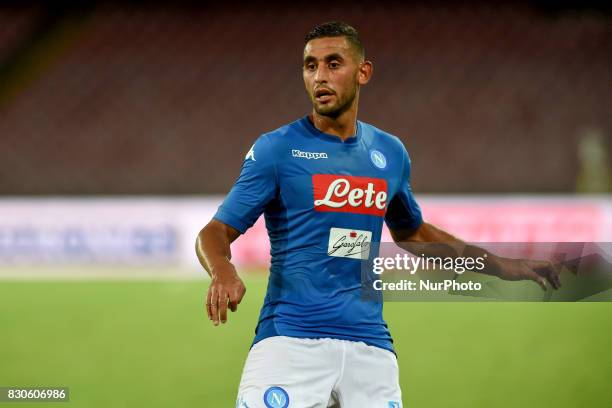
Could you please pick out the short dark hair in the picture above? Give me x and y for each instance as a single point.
(337, 29)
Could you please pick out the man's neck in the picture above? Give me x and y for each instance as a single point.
(344, 126)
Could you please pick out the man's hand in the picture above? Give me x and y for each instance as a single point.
(540, 272)
(226, 290)
(421, 240)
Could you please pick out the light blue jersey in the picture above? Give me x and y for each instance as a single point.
(324, 201)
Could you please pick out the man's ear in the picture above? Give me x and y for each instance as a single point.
(366, 69)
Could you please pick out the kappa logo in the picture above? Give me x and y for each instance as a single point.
(359, 195)
(240, 403)
(250, 154)
(276, 397)
(308, 155)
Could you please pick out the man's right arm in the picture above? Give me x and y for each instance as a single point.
(226, 288)
(256, 186)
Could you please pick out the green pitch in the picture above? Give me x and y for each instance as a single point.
(148, 344)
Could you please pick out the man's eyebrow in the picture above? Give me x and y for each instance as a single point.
(334, 56)
(327, 58)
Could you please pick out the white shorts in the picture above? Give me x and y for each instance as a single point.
(287, 372)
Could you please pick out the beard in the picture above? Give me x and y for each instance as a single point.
(335, 110)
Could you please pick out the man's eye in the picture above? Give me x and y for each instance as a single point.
(334, 65)
(310, 67)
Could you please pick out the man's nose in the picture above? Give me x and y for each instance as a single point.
(321, 75)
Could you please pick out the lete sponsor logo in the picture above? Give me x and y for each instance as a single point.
(360, 195)
(349, 243)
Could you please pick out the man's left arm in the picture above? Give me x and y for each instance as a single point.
(432, 241)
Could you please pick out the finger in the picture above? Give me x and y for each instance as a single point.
(558, 275)
(547, 270)
(232, 302)
(553, 278)
(207, 304)
(214, 306)
(236, 298)
(549, 274)
(542, 282)
(241, 293)
(538, 279)
(223, 306)
(552, 274)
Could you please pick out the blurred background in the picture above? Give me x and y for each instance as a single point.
(140, 96)
(123, 124)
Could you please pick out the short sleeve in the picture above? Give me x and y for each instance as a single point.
(403, 211)
(255, 188)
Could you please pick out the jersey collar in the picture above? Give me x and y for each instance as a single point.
(330, 138)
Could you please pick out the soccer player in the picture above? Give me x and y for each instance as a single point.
(325, 183)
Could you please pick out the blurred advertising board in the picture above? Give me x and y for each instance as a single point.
(160, 231)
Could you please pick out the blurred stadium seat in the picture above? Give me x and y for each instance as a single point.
(15, 24)
(167, 99)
